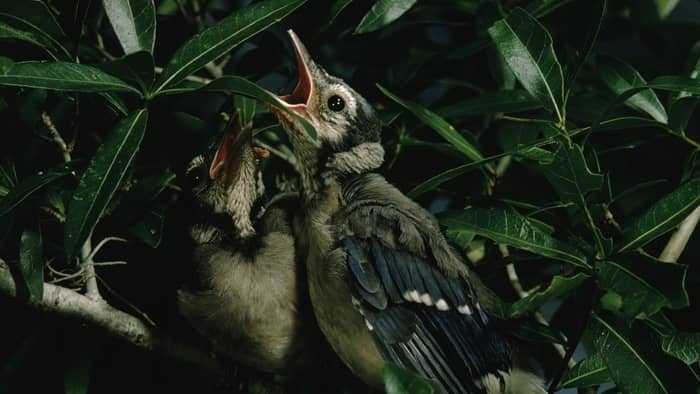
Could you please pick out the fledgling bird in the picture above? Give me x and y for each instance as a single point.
(384, 283)
(250, 300)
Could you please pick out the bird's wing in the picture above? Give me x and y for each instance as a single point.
(421, 316)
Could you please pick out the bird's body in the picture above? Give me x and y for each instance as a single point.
(384, 283)
(249, 298)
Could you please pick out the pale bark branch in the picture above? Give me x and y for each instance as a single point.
(679, 240)
(68, 303)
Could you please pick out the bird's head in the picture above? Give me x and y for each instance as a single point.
(226, 183)
(347, 126)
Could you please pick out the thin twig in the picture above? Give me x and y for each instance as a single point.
(91, 289)
(679, 240)
(56, 136)
(191, 78)
(103, 243)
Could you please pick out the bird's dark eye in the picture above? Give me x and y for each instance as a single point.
(336, 103)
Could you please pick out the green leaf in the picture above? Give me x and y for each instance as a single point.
(27, 187)
(31, 259)
(569, 175)
(665, 7)
(591, 371)
(244, 87)
(216, 40)
(621, 77)
(505, 101)
(683, 346)
(634, 359)
(662, 217)
(505, 225)
(382, 13)
(336, 8)
(560, 287)
(247, 108)
(150, 228)
(435, 122)
(530, 330)
(137, 68)
(645, 285)
(62, 76)
(680, 112)
(32, 21)
(527, 48)
(400, 381)
(102, 178)
(134, 23)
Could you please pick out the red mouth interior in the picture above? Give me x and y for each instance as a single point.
(225, 150)
(302, 92)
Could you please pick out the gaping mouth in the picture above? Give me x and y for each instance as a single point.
(298, 100)
(230, 153)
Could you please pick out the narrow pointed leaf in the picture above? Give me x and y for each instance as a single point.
(32, 21)
(570, 176)
(382, 13)
(683, 346)
(62, 76)
(134, 23)
(621, 77)
(590, 40)
(591, 371)
(244, 87)
(28, 186)
(400, 381)
(680, 112)
(662, 217)
(102, 178)
(216, 40)
(506, 101)
(136, 69)
(248, 108)
(645, 285)
(31, 259)
(527, 48)
(440, 125)
(336, 8)
(505, 225)
(560, 287)
(635, 360)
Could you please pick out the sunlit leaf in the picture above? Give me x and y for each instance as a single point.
(591, 371)
(31, 259)
(61, 76)
(527, 48)
(645, 285)
(634, 358)
(506, 226)
(621, 77)
(216, 40)
(382, 13)
(683, 346)
(437, 123)
(102, 178)
(134, 23)
(244, 87)
(32, 21)
(506, 101)
(662, 217)
(559, 287)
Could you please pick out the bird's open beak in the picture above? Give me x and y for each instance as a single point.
(229, 155)
(298, 100)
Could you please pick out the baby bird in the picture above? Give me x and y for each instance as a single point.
(250, 295)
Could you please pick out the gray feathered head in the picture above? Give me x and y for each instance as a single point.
(226, 182)
(347, 126)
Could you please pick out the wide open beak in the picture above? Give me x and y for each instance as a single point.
(230, 154)
(298, 100)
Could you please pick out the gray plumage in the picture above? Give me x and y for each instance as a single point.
(248, 301)
(384, 283)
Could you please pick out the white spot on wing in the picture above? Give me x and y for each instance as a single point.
(369, 325)
(441, 305)
(464, 309)
(426, 299)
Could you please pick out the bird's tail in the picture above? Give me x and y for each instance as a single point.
(517, 381)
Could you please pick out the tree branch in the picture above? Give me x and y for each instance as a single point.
(678, 241)
(64, 302)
